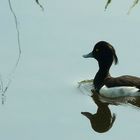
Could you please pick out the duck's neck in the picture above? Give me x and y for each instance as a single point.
(100, 76)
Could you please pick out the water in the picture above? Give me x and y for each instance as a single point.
(43, 101)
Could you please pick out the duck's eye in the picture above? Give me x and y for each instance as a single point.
(97, 50)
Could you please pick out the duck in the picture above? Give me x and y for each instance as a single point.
(104, 83)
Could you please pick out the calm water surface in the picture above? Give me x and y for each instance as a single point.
(43, 101)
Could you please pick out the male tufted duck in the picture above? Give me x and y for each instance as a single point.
(106, 85)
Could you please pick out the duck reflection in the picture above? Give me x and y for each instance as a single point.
(135, 101)
(102, 120)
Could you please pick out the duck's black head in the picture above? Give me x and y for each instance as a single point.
(104, 53)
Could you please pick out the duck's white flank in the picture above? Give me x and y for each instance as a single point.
(122, 91)
(115, 92)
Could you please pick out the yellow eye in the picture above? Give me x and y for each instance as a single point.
(97, 50)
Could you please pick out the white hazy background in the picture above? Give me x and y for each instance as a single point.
(43, 101)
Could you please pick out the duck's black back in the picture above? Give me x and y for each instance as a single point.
(125, 80)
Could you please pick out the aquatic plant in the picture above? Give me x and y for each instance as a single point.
(135, 2)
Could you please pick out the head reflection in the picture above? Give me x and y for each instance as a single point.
(102, 120)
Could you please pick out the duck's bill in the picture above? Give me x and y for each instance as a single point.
(90, 55)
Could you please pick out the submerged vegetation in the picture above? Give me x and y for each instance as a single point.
(4, 87)
(135, 2)
(39, 5)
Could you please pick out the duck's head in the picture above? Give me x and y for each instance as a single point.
(104, 53)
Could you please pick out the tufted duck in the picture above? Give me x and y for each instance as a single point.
(106, 85)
